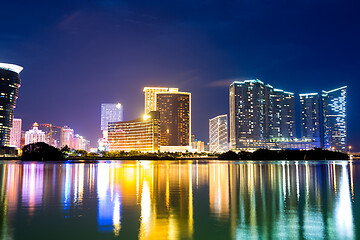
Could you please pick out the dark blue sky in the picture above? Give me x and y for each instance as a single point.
(79, 54)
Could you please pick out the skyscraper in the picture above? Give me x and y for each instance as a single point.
(175, 118)
(310, 116)
(34, 135)
(247, 114)
(218, 134)
(9, 84)
(150, 96)
(52, 134)
(141, 134)
(110, 112)
(67, 137)
(280, 114)
(334, 119)
(15, 134)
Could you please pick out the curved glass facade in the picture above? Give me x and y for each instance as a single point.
(9, 84)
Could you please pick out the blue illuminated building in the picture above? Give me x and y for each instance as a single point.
(334, 119)
(310, 117)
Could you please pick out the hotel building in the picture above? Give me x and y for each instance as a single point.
(334, 119)
(175, 119)
(34, 135)
(141, 134)
(15, 134)
(110, 112)
(218, 134)
(150, 96)
(9, 84)
(310, 117)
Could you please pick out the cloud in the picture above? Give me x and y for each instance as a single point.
(69, 19)
(224, 82)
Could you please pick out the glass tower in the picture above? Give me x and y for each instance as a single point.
(110, 112)
(280, 114)
(247, 113)
(9, 84)
(310, 116)
(334, 119)
(218, 134)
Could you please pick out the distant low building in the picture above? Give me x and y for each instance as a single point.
(34, 135)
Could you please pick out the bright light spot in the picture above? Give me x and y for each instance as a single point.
(146, 117)
(118, 106)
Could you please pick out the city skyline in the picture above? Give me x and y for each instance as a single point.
(137, 44)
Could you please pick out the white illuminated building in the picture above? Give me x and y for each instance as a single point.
(15, 133)
(218, 134)
(110, 112)
(34, 135)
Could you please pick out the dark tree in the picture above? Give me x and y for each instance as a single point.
(41, 151)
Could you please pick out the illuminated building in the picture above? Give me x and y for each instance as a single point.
(247, 114)
(80, 143)
(34, 135)
(150, 96)
(175, 118)
(218, 134)
(52, 134)
(9, 84)
(15, 134)
(310, 116)
(141, 134)
(279, 113)
(67, 137)
(334, 119)
(110, 112)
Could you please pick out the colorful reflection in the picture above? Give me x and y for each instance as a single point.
(180, 200)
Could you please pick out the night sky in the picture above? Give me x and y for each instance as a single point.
(79, 54)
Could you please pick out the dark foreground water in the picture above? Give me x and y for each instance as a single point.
(180, 200)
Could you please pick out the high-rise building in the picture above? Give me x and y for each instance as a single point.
(141, 134)
(280, 114)
(218, 134)
(9, 84)
(310, 117)
(15, 134)
(150, 96)
(52, 134)
(110, 112)
(80, 143)
(334, 119)
(175, 118)
(34, 135)
(247, 114)
(67, 137)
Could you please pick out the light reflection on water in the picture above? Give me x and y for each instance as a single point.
(172, 200)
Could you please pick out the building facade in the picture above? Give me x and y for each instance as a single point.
(110, 112)
(279, 114)
(218, 134)
(334, 119)
(15, 134)
(67, 137)
(247, 114)
(9, 84)
(52, 134)
(34, 135)
(310, 117)
(150, 96)
(175, 118)
(142, 134)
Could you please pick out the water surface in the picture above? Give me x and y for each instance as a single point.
(180, 200)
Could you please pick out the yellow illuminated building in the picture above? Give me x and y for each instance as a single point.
(141, 134)
(150, 96)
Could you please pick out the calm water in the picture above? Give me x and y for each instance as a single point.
(186, 200)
